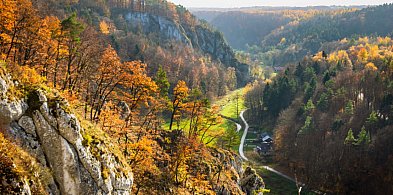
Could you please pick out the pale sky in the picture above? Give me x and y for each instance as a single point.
(250, 3)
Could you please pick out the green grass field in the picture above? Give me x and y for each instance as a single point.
(276, 183)
(231, 104)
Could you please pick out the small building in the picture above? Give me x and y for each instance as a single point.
(267, 139)
(278, 68)
(265, 145)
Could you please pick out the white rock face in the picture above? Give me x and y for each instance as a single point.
(11, 111)
(150, 23)
(54, 138)
(3, 87)
(27, 124)
(197, 37)
(62, 144)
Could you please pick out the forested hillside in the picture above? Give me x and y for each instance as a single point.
(85, 96)
(162, 34)
(278, 36)
(257, 25)
(248, 26)
(307, 37)
(332, 116)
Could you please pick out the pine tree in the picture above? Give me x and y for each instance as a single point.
(307, 126)
(372, 119)
(363, 137)
(350, 138)
(162, 82)
(349, 108)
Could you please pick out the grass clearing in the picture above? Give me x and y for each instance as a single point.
(232, 104)
(277, 184)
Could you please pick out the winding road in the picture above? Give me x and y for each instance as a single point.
(241, 152)
(241, 146)
(279, 173)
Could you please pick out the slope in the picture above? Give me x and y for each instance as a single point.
(308, 36)
(332, 117)
(159, 33)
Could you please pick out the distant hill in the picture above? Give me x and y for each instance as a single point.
(242, 28)
(309, 35)
(250, 25)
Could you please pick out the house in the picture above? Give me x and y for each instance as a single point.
(267, 139)
(278, 68)
(265, 146)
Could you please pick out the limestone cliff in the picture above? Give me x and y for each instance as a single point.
(199, 37)
(43, 127)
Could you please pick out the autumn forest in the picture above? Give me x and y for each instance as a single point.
(149, 97)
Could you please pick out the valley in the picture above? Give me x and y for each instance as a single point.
(152, 97)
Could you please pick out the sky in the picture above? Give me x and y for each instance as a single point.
(250, 3)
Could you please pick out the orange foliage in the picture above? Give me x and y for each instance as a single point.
(104, 27)
(363, 54)
(371, 66)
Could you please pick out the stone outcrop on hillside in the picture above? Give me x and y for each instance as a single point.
(222, 165)
(251, 181)
(198, 37)
(53, 137)
(41, 125)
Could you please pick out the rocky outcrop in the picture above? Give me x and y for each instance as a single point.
(53, 137)
(198, 37)
(164, 28)
(251, 181)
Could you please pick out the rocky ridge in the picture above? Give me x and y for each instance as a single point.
(45, 130)
(197, 37)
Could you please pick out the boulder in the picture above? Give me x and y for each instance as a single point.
(11, 111)
(251, 181)
(53, 137)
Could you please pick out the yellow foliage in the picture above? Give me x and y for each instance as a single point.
(26, 75)
(283, 40)
(19, 165)
(363, 40)
(28, 79)
(268, 81)
(72, 98)
(384, 40)
(345, 40)
(180, 91)
(374, 51)
(371, 66)
(318, 56)
(333, 58)
(104, 27)
(363, 54)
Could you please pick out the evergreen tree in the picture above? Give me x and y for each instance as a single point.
(162, 82)
(307, 127)
(309, 107)
(326, 77)
(363, 137)
(372, 119)
(73, 27)
(323, 102)
(350, 138)
(349, 108)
